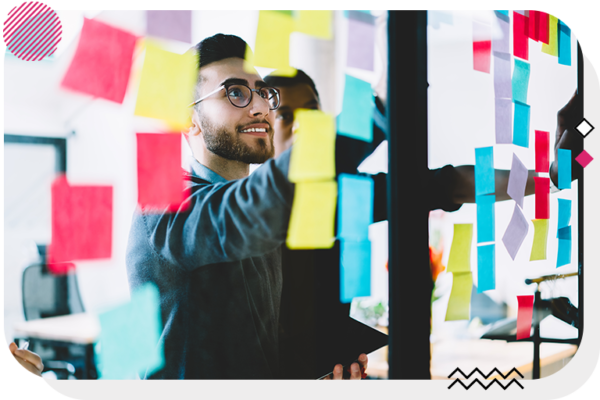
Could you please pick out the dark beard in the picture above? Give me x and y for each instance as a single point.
(231, 147)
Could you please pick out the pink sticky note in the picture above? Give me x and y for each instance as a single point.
(160, 177)
(61, 268)
(543, 27)
(102, 62)
(584, 159)
(482, 46)
(542, 197)
(533, 25)
(524, 316)
(542, 146)
(520, 37)
(81, 222)
(172, 24)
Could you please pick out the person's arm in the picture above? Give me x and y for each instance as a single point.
(29, 360)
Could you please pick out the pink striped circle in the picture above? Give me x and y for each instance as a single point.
(32, 31)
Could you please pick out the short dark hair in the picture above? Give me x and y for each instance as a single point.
(219, 47)
(283, 81)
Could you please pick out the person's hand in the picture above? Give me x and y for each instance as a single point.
(566, 136)
(356, 370)
(29, 360)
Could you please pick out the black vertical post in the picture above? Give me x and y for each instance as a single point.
(580, 220)
(536, 334)
(410, 281)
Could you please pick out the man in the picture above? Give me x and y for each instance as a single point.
(217, 261)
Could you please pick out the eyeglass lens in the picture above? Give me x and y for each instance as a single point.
(240, 96)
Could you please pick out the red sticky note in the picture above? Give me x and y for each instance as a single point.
(520, 37)
(160, 177)
(61, 268)
(524, 316)
(543, 27)
(542, 148)
(542, 197)
(482, 46)
(102, 62)
(533, 25)
(81, 222)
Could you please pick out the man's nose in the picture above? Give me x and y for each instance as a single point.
(258, 106)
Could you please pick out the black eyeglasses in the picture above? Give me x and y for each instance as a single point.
(241, 95)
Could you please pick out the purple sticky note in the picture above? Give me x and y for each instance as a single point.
(500, 43)
(516, 232)
(517, 180)
(361, 44)
(502, 78)
(504, 111)
(174, 24)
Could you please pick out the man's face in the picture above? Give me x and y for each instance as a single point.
(237, 134)
(292, 98)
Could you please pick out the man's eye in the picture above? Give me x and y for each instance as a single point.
(235, 93)
(287, 117)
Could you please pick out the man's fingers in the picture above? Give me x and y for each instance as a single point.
(338, 372)
(355, 372)
(30, 357)
(363, 360)
(12, 347)
(28, 366)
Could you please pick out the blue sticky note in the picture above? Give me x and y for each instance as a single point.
(355, 269)
(355, 210)
(486, 267)
(564, 213)
(564, 44)
(485, 181)
(505, 12)
(521, 125)
(564, 168)
(564, 233)
(356, 119)
(564, 252)
(520, 80)
(485, 218)
(129, 337)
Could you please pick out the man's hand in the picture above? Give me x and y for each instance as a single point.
(30, 361)
(567, 137)
(357, 370)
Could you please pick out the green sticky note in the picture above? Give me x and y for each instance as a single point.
(540, 238)
(460, 296)
(314, 23)
(272, 45)
(460, 252)
(356, 119)
(552, 47)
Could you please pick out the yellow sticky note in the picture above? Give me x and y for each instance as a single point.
(272, 48)
(313, 213)
(540, 238)
(460, 252)
(314, 23)
(313, 153)
(552, 47)
(167, 86)
(460, 296)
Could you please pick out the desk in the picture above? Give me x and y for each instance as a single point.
(81, 330)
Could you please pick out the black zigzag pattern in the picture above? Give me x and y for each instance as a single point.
(467, 387)
(484, 375)
(483, 386)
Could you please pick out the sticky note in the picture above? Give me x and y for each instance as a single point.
(272, 45)
(460, 296)
(542, 197)
(355, 212)
(564, 44)
(552, 47)
(504, 12)
(81, 222)
(501, 43)
(313, 154)
(172, 24)
(160, 179)
(484, 171)
(515, 232)
(540, 239)
(564, 213)
(564, 233)
(436, 17)
(504, 123)
(533, 25)
(520, 80)
(520, 38)
(460, 252)
(167, 85)
(543, 27)
(312, 218)
(524, 316)
(314, 23)
(502, 77)
(355, 269)
(521, 125)
(517, 180)
(361, 41)
(542, 151)
(130, 336)
(102, 62)
(564, 252)
(486, 268)
(355, 121)
(485, 218)
(563, 163)
(482, 46)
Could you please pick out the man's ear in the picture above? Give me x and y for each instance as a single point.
(194, 129)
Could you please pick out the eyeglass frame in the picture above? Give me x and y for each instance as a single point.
(251, 95)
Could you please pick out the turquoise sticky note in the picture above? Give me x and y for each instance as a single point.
(486, 268)
(356, 119)
(521, 125)
(485, 218)
(485, 181)
(564, 252)
(564, 44)
(564, 233)
(505, 12)
(564, 213)
(355, 199)
(564, 168)
(355, 269)
(129, 337)
(520, 80)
